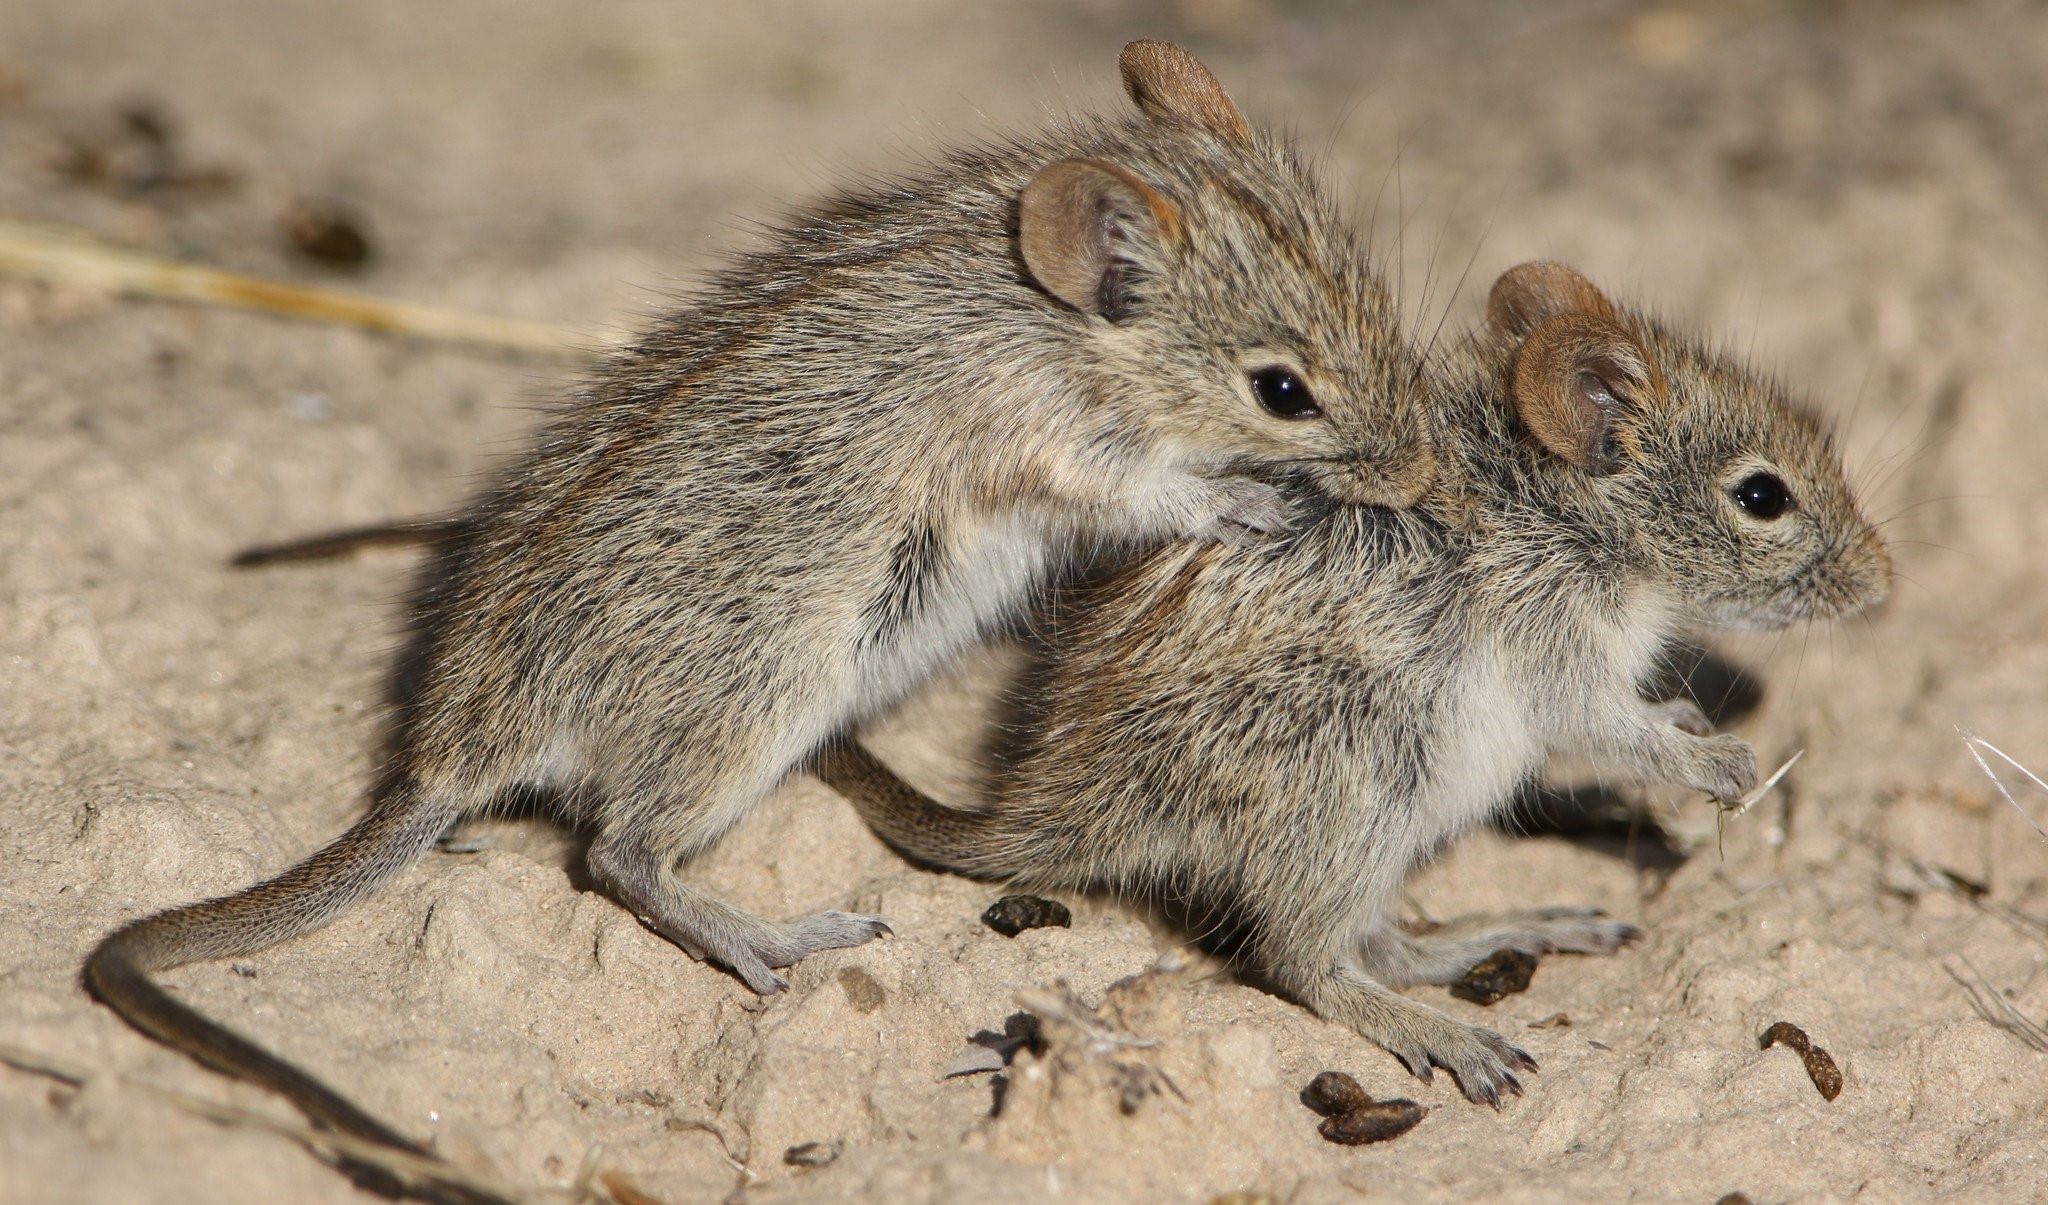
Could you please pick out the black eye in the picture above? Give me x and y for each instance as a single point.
(1763, 495)
(1283, 394)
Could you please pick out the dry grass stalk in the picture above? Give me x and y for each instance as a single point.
(70, 259)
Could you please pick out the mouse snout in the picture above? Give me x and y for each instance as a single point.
(1866, 573)
(1851, 580)
(1395, 475)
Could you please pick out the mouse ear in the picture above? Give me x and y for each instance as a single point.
(1170, 84)
(1082, 224)
(1572, 381)
(1527, 294)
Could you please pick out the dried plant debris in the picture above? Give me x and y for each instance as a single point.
(992, 1051)
(1013, 914)
(1498, 975)
(1352, 1118)
(69, 259)
(1099, 1047)
(140, 156)
(1910, 878)
(1978, 746)
(1735, 808)
(1992, 1005)
(1553, 1021)
(621, 1189)
(327, 232)
(812, 1154)
(1820, 1065)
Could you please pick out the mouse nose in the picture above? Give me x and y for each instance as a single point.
(1395, 476)
(1871, 569)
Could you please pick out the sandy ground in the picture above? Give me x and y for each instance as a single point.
(1857, 198)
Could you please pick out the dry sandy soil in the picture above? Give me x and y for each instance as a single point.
(1859, 199)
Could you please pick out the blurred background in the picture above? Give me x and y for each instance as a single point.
(1853, 193)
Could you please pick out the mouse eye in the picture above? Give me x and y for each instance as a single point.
(1284, 394)
(1763, 495)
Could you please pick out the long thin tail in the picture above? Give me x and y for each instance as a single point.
(328, 544)
(396, 833)
(919, 826)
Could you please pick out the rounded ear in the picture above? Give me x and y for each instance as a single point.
(1082, 223)
(1170, 84)
(1528, 294)
(1571, 381)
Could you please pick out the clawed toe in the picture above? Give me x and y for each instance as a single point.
(1597, 937)
(1481, 1061)
(1485, 1074)
(1574, 931)
(833, 931)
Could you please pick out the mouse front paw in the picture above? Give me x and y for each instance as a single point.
(1724, 767)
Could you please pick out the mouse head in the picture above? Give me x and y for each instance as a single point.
(1732, 490)
(1223, 302)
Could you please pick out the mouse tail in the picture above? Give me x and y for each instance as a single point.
(330, 544)
(918, 826)
(396, 833)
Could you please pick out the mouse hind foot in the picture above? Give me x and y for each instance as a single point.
(1445, 954)
(1483, 1062)
(711, 930)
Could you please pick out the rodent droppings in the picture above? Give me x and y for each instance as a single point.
(1498, 975)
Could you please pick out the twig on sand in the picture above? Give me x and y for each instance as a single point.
(1736, 807)
(58, 256)
(1992, 1005)
(1977, 745)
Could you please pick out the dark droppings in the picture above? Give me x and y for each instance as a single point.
(327, 233)
(1333, 1093)
(1500, 974)
(1013, 914)
(1376, 1122)
(1820, 1065)
(1352, 1118)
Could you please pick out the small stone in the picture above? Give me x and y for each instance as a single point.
(1334, 1093)
(327, 233)
(1013, 914)
(811, 1154)
(1501, 973)
(1375, 1122)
